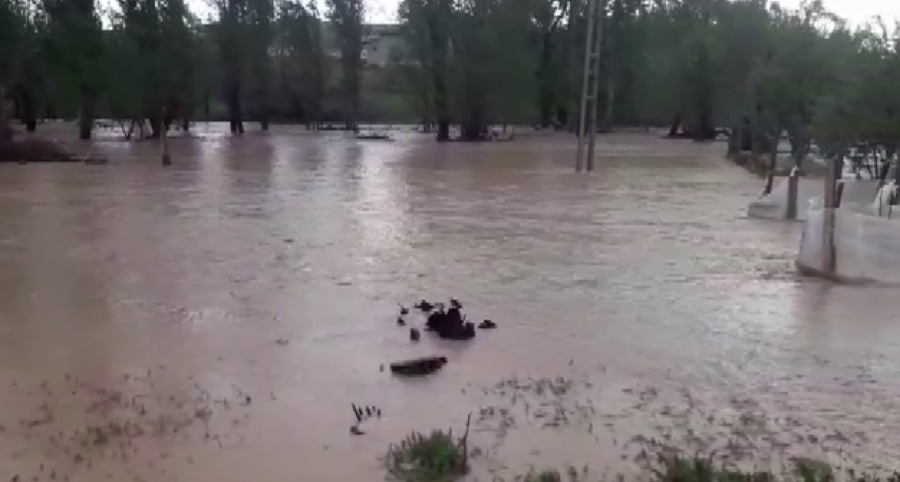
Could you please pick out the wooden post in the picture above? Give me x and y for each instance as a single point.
(829, 263)
(793, 180)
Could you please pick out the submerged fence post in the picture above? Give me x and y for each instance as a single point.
(793, 180)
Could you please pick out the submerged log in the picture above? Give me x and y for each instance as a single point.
(418, 366)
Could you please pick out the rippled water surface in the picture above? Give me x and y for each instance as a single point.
(215, 320)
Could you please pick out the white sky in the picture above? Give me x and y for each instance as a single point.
(857, 11)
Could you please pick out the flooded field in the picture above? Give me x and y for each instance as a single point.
(215, 320)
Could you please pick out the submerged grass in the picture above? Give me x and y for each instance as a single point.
(545, 475)
(703, 469)
(436, 457)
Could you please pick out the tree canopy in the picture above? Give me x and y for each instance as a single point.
(694, 65)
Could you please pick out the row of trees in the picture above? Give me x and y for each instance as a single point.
(151, 62)
(693, 64)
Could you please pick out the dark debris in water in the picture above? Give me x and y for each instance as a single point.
(449, 324)
(418, 366)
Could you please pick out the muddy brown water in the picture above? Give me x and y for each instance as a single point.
(215, 320)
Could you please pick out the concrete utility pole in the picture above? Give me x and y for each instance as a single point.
(590, 83)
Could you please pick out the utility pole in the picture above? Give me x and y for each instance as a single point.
(590, 83)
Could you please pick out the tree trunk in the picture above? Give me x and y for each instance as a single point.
(264, 114)
(442, 107)
(474, 128)
(675, 125)
(166, 158)
(610, 104)
(234, 110)
(29, 113)
(156, 125)
(562, 116)
(86, 116)
(883, 172)
(443, 133)
(546, 108)
(6, 133)
(896, 173)
(545, 89)
(704, 130)
(472, 131)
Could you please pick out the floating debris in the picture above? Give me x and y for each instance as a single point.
(487, 325)
(419, 366)
(424, 306)
(450, 325)
(414, 334)
(401, 321)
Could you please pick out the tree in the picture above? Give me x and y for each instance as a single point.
(346, 18)
(300, 60)
(151, 59)
(426, 26)
(230, 34)
(73, 49)
(547, 16)
(261, 34)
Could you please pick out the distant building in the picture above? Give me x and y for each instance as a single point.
(379, 41)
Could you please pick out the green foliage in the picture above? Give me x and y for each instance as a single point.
(347, 17)
(300, 60)
(546, 475)
(151, 60)
(674, 468)
(473, 62)
(435, 457)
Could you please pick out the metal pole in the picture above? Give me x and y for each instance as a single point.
(592, 4)
(598, 42)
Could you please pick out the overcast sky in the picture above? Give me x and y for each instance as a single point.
(857, 11)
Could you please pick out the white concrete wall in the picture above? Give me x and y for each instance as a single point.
(858, 197)
(774, 204)
(867, 248)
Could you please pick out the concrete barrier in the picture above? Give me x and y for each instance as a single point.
(866, 247)
(857, 196)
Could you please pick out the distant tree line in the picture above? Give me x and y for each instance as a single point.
(694, 65)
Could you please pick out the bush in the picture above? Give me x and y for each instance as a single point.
(428, 458)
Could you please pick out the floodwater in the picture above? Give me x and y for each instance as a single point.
(214, 321)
